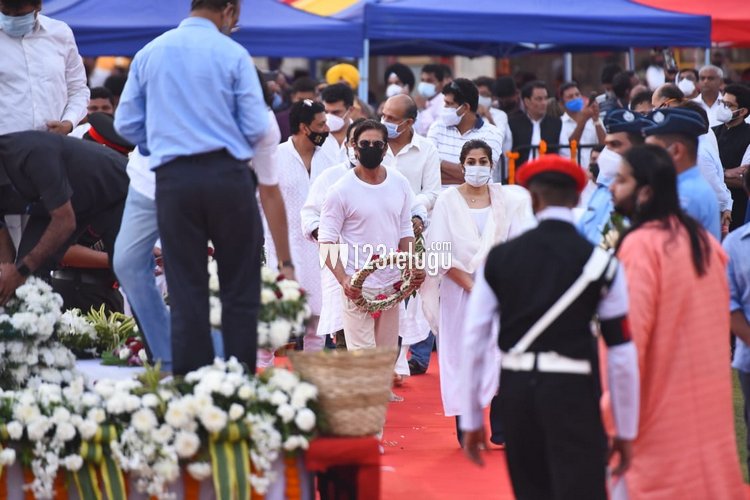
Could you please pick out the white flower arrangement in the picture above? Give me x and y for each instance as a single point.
(283, 310)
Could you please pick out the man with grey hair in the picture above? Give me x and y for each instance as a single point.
(710, 82)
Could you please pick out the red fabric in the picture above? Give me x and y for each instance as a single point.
(328, 452)
(729, 18)
(552, 163)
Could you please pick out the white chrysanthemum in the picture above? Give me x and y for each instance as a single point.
(213, 276)
(167, 469)
(186, 444)
(290, 294)
(87, 428)
(267, 296)
(97, 415)
(26, 413)
(305, 420)
(268, 275)
(177, 415)
(124, 354)
(65, 431)
(303, 393)
(7, 457)
(15, 430)
(72, 462)
(60, 415)
(278, 398)
(245, 392)
(36, 430)
(163, 434)
(150, 400)
(286, 412)
(215, 312)
(284, 380)
(279, 332)
(144, 420)
(236, 412)
(199, 470)
(213, 419)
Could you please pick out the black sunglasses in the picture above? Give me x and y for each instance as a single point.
(371, 144)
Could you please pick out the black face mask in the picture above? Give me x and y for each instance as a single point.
(370, 157)
(317, 138)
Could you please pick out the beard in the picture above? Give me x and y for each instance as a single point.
(627, 207)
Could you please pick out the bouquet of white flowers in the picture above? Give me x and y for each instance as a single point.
(283, 307)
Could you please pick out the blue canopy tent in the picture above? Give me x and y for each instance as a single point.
(267, 27)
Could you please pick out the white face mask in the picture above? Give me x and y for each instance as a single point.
(426, 89)
(723, 114)
(393, 89)
(352, 156)
(450, 116)
(335, 123)
(477, 175)
(609, 164)
(687, 86)
(485, 102)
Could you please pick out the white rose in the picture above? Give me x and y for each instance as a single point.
(124, 354)
(305, 420)
(236, 412)
(268, 275)
(143, 356)
(286, 412)
(7, 457)
(143, 420)
(176, 415)
(213, 419)
(65, 431)
(290, 294)
(279, 333)
(73, 462)
(186, 444)
(267, 296)
(15, 430)
(199, 470)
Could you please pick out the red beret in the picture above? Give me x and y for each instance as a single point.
(552, 163)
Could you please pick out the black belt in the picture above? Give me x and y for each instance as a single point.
(84, 277)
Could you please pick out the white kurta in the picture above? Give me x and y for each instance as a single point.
(294, 183)
(453, 221)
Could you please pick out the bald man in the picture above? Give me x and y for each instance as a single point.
(417, 159)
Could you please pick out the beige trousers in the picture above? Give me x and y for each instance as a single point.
(362, 331)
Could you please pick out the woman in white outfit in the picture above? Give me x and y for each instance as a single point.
(467, 221)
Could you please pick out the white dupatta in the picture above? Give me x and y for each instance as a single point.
(451, 222)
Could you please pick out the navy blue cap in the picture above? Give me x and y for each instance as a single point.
(624, 120)
(676, 121)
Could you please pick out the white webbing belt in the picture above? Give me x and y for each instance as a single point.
(518, 359)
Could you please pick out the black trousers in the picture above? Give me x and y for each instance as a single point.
(555, 441)
(84, 296)
(201, 198)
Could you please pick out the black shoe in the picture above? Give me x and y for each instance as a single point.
(416, 369)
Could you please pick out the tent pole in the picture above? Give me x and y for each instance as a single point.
(707, 59)
(364, 70)
(568, 66)
(631, 59)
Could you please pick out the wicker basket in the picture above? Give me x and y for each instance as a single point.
(354, 388)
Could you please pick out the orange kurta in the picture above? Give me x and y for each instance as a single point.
(686, 446)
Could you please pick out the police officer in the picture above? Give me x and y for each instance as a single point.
(623, 132)
(66, 186)
(547, 285)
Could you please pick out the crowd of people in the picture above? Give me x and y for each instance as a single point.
(628, 219)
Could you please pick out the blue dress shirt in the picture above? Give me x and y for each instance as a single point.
(597, 214)
(699, 201)
(192, 90)
(737, 246)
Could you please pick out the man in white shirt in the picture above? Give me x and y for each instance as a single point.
(300, 159)
(579, 123)
(429, 97)
(711, 80)
(42, 78)
(458, 123)
(369, 211)
(338, 100)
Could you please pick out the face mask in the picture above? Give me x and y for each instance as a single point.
(574, 105)
(352, 155)
(687, 86)
(317, 138)
(335, 123)
(370, 157)
(485, 102)
(609, 164)
(392, 128)
(18, 26)
(393, 89)
(426, 90)
(450, 117)
(477, 176)
(723, 114)
(277, 101)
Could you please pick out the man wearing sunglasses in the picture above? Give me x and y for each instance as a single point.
(369, 212)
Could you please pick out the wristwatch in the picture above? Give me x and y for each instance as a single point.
(286, 263)
(23, 269)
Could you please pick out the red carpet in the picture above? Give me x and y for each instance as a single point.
(422, 459)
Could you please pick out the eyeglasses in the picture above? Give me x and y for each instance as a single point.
(666, 103)
(371, 144)
(729, 105)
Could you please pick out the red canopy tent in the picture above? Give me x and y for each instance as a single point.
(730, 19)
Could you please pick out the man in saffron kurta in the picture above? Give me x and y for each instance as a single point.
(678, 318)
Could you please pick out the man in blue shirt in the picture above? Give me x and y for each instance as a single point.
(193, 103)
(677, 130)
(737, 246)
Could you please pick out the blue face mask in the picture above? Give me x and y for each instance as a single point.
(277, 101)
(392, 128)
(18, 26)
(574, 105)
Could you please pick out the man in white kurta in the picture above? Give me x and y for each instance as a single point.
(415, 157)
(300, 160)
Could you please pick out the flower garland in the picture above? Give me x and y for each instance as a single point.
(402, 289)
(283, 307)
